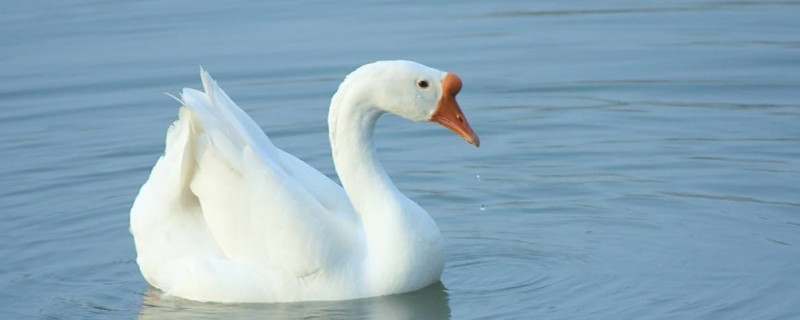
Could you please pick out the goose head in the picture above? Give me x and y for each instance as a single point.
(416, 92)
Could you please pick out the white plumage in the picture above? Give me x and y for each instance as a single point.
(227, 216)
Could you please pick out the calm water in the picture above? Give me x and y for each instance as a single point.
(638, 160)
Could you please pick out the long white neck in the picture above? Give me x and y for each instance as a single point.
(351, 123)
(403, 243)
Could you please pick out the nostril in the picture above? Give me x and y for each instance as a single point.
(458, 116)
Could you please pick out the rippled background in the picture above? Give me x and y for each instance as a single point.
(639, 160)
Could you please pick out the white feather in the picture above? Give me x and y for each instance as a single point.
(227, 216)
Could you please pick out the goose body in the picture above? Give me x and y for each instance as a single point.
(227, 216)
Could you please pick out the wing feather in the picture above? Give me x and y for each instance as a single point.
(259, 206)
(274, 209)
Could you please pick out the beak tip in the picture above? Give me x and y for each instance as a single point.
(475, 141)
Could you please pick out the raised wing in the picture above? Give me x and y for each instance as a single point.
(262, 206)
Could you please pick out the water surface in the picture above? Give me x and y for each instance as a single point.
(639, 160)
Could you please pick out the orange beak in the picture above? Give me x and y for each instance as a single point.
(449, 114)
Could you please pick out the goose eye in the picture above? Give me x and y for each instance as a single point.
(423, 84)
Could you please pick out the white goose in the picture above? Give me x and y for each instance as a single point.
(226, 216)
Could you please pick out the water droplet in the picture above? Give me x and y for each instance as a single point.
(478, 177)
(483, 208)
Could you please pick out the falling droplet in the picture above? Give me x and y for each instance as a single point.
(483, 208)
(478, 177)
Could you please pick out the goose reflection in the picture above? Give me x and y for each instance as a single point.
(431, 302)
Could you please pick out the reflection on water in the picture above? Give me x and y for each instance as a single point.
(429, 303)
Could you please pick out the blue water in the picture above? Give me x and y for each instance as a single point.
(639, 160)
